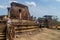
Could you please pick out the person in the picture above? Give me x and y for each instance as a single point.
(8, 21)
(36, 22)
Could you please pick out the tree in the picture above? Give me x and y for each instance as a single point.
(39, 19)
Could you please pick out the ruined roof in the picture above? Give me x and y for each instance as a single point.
(17, 4)
(48, 16)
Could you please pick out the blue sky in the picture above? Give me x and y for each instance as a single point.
(37, 8)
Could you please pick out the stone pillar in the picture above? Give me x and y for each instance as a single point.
(20, 16)
(8, 12)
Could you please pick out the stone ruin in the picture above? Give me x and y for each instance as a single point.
(21, 21)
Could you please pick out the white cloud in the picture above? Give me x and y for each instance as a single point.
(40, 10)
(58, 0)
(50, 0)
(30, 3)
(3, 6)
(45, 0)
(12, 1)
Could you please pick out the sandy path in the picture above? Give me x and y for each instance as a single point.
(45, 34)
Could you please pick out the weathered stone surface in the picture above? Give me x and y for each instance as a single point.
(19, 11)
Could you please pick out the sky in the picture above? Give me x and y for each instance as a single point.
(37, 8)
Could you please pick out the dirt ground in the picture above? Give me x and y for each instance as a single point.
(44, 34)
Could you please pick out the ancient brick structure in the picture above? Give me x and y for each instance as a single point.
(18, 11)
(20, 19)
(16, 22)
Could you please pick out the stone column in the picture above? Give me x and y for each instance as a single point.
(8, 12)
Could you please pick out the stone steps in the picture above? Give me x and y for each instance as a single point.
(2, 36)
(25, 30)
(2, 30)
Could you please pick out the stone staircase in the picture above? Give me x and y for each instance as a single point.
(2, 36)
(2, 30)
(24, 26)
(25, 29)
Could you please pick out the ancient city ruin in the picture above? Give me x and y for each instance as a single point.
(20, 21)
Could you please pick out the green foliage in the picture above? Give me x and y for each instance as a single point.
(58, 23)
(39, 18)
